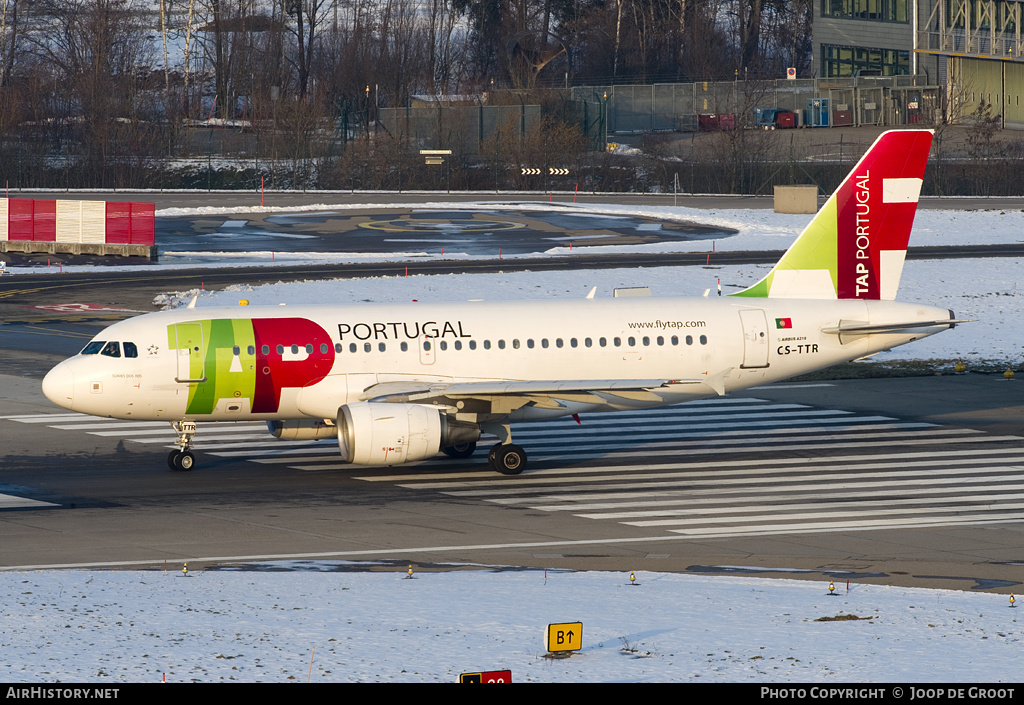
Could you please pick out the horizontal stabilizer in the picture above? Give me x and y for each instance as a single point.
(862, 328)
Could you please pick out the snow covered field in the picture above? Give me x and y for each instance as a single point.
(312, 623)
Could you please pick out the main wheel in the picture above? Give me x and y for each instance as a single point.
(508, 459)
(460, 450)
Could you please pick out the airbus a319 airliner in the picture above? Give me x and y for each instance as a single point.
(399, 383)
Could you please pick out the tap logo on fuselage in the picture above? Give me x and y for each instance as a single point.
(249, 359)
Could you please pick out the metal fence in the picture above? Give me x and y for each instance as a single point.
(888, 100)
(461, 128)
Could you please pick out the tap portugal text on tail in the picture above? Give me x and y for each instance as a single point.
(401, 383)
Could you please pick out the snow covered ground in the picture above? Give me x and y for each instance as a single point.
(313, 622)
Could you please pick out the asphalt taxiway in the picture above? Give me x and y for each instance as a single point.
(87, 493)
(910, 481)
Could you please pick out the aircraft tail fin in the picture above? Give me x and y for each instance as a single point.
(855, 246)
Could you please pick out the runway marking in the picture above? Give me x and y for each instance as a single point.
(735, 467)
(15, 292)
(457, 550)
(729, 514)
(8, 501)
(734, 506)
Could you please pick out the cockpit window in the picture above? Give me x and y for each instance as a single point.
(130, 350)
(112, 349)
(94, 347)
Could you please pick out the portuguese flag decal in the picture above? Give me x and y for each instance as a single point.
(783, 322)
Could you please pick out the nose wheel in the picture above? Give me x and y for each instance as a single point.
(182, 458)
(179, 460)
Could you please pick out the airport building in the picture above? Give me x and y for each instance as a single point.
(972, 48)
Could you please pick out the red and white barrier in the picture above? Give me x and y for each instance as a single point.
(77, 227)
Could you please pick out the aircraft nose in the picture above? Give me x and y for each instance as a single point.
(59, 385)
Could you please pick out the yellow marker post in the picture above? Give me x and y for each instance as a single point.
(565, 637)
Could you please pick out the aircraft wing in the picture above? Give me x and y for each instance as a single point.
(505, 396)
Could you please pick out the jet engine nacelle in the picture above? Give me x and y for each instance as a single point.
(374, 433)
(302, 429)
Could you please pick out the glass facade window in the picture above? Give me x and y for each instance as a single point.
(871, 10)
(841, 61)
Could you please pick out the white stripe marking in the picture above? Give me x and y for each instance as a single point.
(901, 190)
(8, 501)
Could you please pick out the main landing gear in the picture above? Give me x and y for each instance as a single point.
(507, 458)
(183, 459)
(460, 450)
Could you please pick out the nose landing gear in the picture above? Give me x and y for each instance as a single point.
(183, 459)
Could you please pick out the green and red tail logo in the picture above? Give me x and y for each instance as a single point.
(855, 246)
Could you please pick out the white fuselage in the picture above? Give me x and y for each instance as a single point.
(182, 366)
